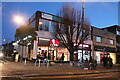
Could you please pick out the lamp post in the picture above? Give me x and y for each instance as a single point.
(82, 24)
(6, 43)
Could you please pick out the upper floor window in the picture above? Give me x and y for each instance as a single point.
(118, 32)
(111, 42)
(44, 25)
(98, 39)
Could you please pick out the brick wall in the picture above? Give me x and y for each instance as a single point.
(105, 35)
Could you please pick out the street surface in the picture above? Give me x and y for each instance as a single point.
(101, 76)
(18, 71)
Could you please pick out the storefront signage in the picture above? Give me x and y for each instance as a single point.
(82, 46)
(46, 16)
(50, 17)
(54, 42)
(54, 18)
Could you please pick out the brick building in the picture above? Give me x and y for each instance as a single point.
(104, 43)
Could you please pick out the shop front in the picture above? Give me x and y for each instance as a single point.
(83, 53)
(100, 52)
(52, 50)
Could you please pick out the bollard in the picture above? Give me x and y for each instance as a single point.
(25, 62)
(39, 62)
(35, 62)
(47, 63)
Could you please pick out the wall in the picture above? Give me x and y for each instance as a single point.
(106, 36)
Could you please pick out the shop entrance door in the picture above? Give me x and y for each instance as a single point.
(51, 55)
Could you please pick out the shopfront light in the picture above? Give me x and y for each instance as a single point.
(1, 54)
(40, 23)
(25, 38)
(29, 36)
(15, 43)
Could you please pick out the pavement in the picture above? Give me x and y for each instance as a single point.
(20, 69)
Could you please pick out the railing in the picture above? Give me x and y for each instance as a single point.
(45, 62)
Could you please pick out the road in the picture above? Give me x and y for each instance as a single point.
(100, 76)
(17, 71)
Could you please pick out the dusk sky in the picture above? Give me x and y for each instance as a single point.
(100, 14)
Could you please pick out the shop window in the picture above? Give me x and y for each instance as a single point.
(98, 39)
(46, 25)
(111, 42)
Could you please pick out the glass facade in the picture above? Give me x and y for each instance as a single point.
(33, 24)
(33, 17)
(46, 25)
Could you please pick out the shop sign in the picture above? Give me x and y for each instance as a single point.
(46, 16)
(50, 17)
(54, 18)
(54, 42)
(82, 45)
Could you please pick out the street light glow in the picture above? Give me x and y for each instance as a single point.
(40, 22)
(18, 19)
(4, 40)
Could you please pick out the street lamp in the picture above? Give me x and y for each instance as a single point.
(82, 24)
(6, 49)
(4, 40)
(18, 19)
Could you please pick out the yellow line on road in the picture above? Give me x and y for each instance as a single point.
(103, 76)
(68, 76)
(9, 76)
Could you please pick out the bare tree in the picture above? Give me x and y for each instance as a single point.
(70, 31)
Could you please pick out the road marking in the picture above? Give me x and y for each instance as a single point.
(9, 76)
(103, 76)
(69, 76)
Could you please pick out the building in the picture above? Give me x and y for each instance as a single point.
(45, 45)
(115, 29)
(8, 49)
(104, 43)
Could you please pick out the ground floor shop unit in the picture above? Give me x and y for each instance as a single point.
(101, 51)
(44, 49)
(53, 53)
(51, 49)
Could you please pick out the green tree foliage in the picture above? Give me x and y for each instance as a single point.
(24, 31)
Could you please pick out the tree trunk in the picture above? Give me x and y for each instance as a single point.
(71, 57)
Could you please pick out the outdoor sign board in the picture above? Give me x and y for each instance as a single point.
(82, 46)
(54, 42)
(50, 17)
(46, 16)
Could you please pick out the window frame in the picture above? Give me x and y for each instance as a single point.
(99, 38)
(112, 42)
